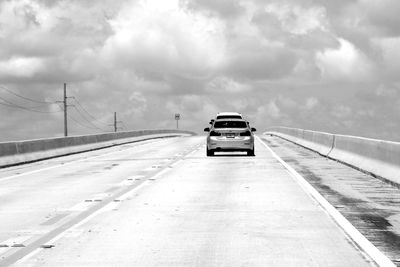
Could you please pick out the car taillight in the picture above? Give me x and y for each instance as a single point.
(247, 133)
(212, 133)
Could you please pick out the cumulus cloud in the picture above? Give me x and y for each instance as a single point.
(389, 48)
(226, 85)
(381, 17)
(311, 103)
(323, 65)
(139, 104)
(296, 19)
(166, 38)
(20, 67)
(256, 62)
(63, 37)
(344, 63)
(223, 8)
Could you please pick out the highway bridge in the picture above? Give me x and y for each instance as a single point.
(155, 199)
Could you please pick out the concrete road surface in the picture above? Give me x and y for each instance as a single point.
(164, 203)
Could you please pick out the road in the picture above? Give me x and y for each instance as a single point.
(164, 203)
(372, 205)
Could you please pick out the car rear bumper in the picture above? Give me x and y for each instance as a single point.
(230, 144)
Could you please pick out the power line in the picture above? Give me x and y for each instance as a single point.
(90, 115)
(11, 104)
(124, 126)
(77, 122)
(24, 97)
(7, 105)
(67, 114)
(82, 125)
(91, 123)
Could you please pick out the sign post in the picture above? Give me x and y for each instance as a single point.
(177, 118)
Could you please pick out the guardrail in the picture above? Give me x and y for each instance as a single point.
(14, 153)
(377, 157)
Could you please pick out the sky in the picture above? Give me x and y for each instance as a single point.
(327, 65)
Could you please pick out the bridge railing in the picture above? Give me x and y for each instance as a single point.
(378, 157)
(18, 152)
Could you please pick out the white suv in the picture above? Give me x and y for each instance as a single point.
(230, 135)
(226, 115)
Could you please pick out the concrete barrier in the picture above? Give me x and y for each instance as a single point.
(377, 157)
(290, 134)
(8, 149)
(13, 153)
(381, 158)
(318, 141)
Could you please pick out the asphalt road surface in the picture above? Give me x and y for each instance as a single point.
(370, 204)
(164, 203)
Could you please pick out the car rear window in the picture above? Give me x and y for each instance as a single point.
(230, 124)
(229, 117)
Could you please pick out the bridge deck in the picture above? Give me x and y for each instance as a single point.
(370, 204)
(165, 203)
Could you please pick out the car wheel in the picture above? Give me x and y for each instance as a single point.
(250, 152)
(210, 152)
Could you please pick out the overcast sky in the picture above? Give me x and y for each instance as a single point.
(330, 65)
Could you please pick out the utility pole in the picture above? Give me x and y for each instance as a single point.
(65, 104)
(115, 121)
(65, 111)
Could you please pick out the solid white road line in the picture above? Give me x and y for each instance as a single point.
(367, 247)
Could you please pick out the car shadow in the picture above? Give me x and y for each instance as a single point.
(231, 155)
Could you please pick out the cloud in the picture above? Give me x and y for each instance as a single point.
(389, 48)
(272, 110)
(21, 67)
(58, 41)
(223, 8)
(165, 38)
(50, 30)
(342, 111)
(139, 104)
(381, 17)
(296, 19)
(325, 65)
(226, 85)
(311, 103)
(344, 63)
(253, 61)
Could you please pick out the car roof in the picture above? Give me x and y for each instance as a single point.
(230, 119)
(228, 113)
